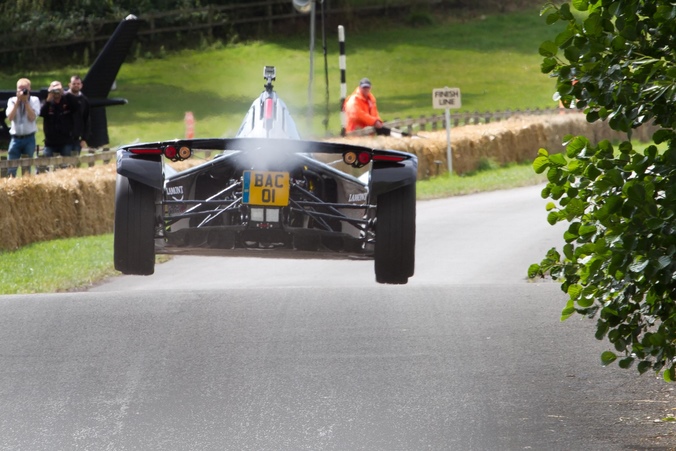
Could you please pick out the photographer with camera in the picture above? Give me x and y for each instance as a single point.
(59, 115)
(22, 111)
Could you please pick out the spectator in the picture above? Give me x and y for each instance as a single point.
(361, 109)
(82, 125)
(59, 112)
(22, 111)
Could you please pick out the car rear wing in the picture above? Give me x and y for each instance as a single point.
(183, 148)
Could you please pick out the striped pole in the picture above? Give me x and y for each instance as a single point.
(343, 86)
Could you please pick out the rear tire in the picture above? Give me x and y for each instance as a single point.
(134, 232)
(394, 251)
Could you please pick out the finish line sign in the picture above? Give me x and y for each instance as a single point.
(444, 98)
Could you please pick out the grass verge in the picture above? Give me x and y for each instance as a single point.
(512, 176)
(59, 265)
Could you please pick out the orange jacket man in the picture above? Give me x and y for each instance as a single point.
(361, 109)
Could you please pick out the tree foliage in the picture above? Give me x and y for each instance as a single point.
(615, 60)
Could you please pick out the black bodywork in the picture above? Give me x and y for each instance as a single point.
(267, 193)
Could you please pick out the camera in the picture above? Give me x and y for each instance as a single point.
(25, 92)
(55, 91)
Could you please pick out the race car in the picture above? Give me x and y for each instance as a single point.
(267, 193)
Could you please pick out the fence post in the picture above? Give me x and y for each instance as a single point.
(269, 17)
(210, 22)
(423, 121)
(25, 165)
(152, 27)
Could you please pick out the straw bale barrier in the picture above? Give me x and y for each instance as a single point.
(61, 204)
(516, 139)
(80, 202)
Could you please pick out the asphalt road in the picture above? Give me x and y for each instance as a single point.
(262, 354)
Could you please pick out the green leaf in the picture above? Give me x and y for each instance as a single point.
(574, 208)
(568, 311)
(548, 65)
(564, 12)
(608, 357)
(592, 172)
(587, 230)
(639, 264)
(663, 135)
(636, 192)
(552, 18)
(593, 25)
(563, 38)
(548, 49)
(576, 146)
(580, 5)
(553, 217)
(540, 164)
(669, 374)
(574, 290)
(534, 271)
(625, 147)
(644, 366)
(569, 237)
(618, 43)
(626, 362)
(585, 302)
(601, 330)
(574, 166)
(663, 262)
(558, 159)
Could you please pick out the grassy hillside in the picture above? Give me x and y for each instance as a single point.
(492, 59)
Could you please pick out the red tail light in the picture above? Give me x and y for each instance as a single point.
(170, 152)
(145, 151)
(394, 158)
(364, 158)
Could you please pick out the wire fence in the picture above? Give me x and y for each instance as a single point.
(251, 19)
(412, 125)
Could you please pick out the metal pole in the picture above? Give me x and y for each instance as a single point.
(343, 86)
(312, 68)
(448, 138)
(326, 71)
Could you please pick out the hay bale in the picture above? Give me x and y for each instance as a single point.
(516, 139)
(61, 204)
(81, 202)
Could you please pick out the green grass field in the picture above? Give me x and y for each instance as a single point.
(493, 60)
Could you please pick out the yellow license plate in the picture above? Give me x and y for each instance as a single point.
(266, 188)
